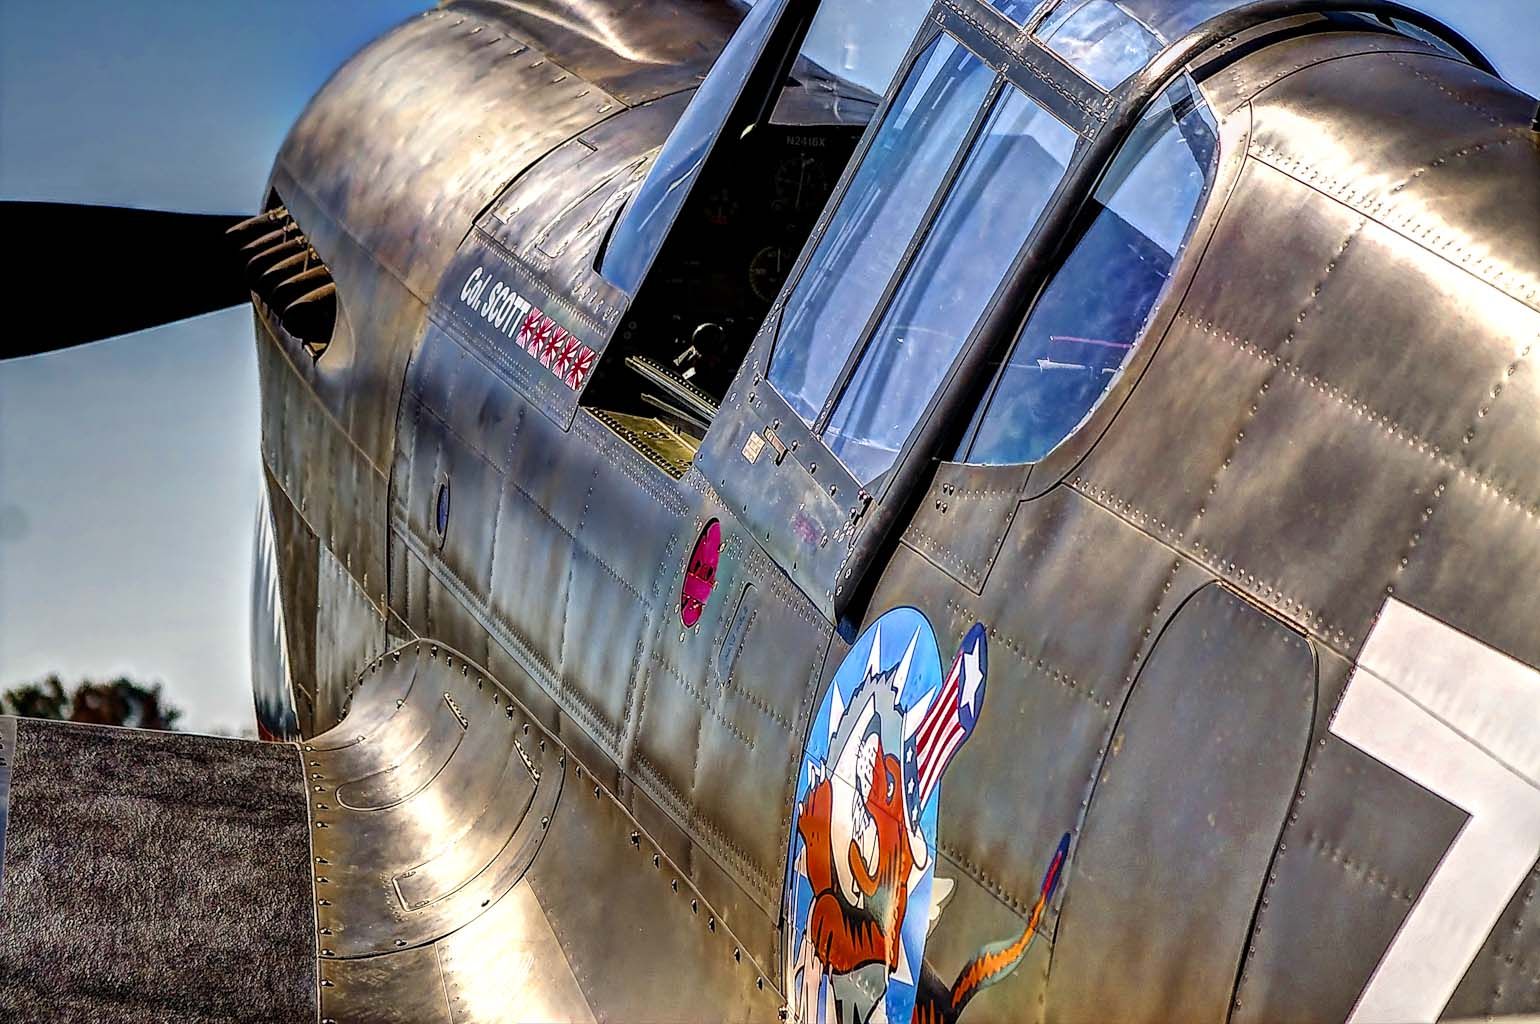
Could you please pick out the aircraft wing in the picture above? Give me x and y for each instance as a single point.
(437, 857)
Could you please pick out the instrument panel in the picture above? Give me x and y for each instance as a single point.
(735, 250)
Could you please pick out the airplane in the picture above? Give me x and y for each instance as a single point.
(956, 511)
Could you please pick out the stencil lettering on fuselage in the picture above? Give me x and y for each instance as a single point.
(513, 316)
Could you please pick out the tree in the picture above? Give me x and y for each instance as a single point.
(120, 701)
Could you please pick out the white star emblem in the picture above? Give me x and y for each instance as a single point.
(972, 677)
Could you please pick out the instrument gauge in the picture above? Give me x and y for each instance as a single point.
(767, 272)
(800, 183)
(720, 208)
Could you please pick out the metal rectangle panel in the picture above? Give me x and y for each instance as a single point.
(1289, 240)
(1308, 493)
(1433, 362)
(1158, 458)
(1361, 843)
(962, 520)
(1382, 155)
(1473, 566)
(451, 618)
(497, 306)
(508, 966)
(491, 110)
(403, 988)
(350, 631)
(615, 946)
(1184, 818)
(1075, 594)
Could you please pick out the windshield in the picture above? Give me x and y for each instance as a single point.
(1090, 318)
(862, 41)
(1003, 187)
(1100, 39)
(1166, 20)
(1108, 41)
(859, 41)
(883, 208)
(641, 228)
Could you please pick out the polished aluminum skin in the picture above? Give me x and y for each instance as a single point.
(1330, 417)
(414, 840)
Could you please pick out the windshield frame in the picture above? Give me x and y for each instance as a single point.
(983, 166)
(695, 135)
(1064, 91)
(765, 460)
(1079, 109)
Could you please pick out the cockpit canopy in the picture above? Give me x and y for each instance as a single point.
(1108, 41)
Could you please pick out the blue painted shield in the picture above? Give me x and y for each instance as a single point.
(861, 866)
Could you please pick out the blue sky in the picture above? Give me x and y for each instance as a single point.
(129, 468)
(164, 104)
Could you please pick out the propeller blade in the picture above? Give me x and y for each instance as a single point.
(96, 272)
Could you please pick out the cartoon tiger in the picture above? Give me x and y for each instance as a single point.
(846, 937)
(862, 847)
(937, 1003)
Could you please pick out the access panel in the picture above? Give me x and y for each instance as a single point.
(1184, 819)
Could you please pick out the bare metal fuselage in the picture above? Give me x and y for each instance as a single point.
(1317, 476)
